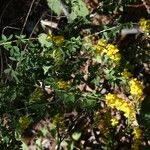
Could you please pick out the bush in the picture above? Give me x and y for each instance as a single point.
(78, 85)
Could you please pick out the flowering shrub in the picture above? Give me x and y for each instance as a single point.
(76, 85)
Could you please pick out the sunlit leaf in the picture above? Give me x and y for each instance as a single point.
(43, 40)
(76, 135)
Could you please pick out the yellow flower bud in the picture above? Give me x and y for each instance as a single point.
(144, 25)
(62, 85)
(114, 121)
(24, 121)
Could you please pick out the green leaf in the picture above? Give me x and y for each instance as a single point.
(72, 16)
(4, 38)
(78, 9)
(7, 71)
(16, 49)
(96, 80)
(38, 142)
(69, 98)
(55, 6)
(46, 68)
(10, 37)
(21, 37)
(8, 46)
(70, 145)
(76, 135)
(64, 143)
(44, 131)
(24, 146)
(12, 58)
(43, 40)
(12, 51)
(14, 75)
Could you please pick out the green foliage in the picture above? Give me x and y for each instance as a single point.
(54, 5)
(43, 40)
(59, 85)
(77, 7)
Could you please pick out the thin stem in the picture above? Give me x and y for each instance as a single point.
(5, 43)
(1, 73)
(101, 31)
(27, 17)
(9, 27)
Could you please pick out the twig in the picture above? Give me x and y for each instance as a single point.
(36, 25)
(27, 17)
(57, 17)
(127, 31)
(96, 33)
(5, 43)
(33, 31)
(146, 3)
(136, 6)
(9, 27)
(59, 136)
(49, 24)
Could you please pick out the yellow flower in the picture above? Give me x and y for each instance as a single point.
(113, 101)
(126, 74)
(112, 52)
(144, 25)
(49, 37)
(137, 133)
(101, 44)
(58, 40)
(137, 137)
(24, 121)
(114, 121)
(108, 49)
(135, 88)
(62, 85)
(116, 57)
(111, 49)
